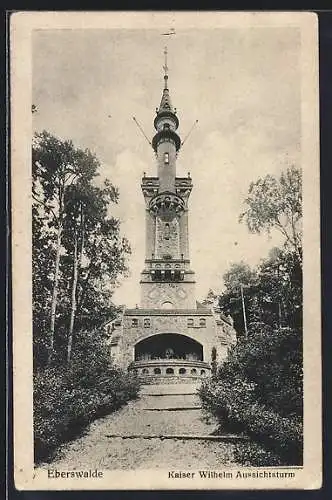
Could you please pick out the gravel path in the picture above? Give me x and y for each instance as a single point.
(95, 450)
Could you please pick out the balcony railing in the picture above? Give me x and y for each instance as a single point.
(171, 368)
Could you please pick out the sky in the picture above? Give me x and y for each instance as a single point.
(242, 84)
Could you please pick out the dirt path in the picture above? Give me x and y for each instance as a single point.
(151, 415)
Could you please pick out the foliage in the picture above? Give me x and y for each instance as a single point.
(230, 301)
(214, 364)
(67, 399)
(252, 454)
(78, 256)
(258, 390)
(78, 253)
(210, 299)
(272, 292)
(276, 204)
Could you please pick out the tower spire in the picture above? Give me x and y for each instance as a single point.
(165, 67)
(165, 103)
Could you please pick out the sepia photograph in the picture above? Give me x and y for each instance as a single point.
(166, 251)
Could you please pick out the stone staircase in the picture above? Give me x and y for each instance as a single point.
(169, 398)
(164, 429)
(170, 411)
(169, 389)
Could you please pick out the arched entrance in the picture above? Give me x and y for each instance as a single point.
(168, 346)
(169, 358)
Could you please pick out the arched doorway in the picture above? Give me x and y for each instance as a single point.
(168, 346)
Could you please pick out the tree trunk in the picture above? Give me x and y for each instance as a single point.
(85, 283)
(55, 292)
(76, 265)
(73, 301)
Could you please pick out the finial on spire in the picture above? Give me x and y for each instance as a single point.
(165, 67)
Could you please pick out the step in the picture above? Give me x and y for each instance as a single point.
(168, 389)
(207, 437)
(168, 401)
(174, 408)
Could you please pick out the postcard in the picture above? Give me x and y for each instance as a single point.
(166, 250)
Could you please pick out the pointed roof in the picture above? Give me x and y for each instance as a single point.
(165, 103)
(166, 107)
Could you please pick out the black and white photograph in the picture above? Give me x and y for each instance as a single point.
(165, 205)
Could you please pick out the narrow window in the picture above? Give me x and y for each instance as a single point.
(167, 230)
(166, 158)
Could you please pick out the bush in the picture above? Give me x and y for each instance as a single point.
(67, 399)
(259, 391)
(251, 454)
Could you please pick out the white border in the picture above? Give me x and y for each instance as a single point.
(21, 26)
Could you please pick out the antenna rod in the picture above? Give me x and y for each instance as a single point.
(192, 128)
(165, 67)
(142, 130)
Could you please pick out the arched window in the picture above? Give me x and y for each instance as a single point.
(190, 322)
(182, 371)
(202, 322)
(193, 371)
(169, 371)
(145, 371)
(134, 322)
(203, 372)
(157, 371)
(167, 305)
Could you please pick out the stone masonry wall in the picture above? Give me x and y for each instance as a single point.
(207, 336)
(182, 295)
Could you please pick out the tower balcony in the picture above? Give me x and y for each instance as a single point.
(166, 135)
(171, 270)
(167, 275)
(169, 370)
(167, 203)
(167, 262)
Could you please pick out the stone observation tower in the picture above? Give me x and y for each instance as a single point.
(170, 336)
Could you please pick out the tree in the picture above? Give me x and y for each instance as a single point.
(271, 293)
(258, 390)
(210, 298)
(96, 252)
(76, 244)
(239, 280)
(56, 165)
(280, 289)
(276, 204)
